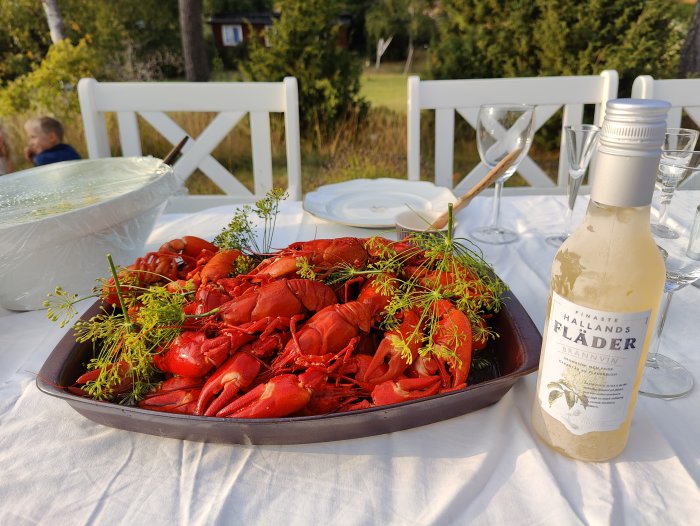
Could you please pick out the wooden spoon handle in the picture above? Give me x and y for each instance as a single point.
(170, 158)
(494, 174)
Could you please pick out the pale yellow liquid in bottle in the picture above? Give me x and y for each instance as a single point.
(610, 263)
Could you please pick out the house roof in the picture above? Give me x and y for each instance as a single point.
(243, 18)
(258, 18)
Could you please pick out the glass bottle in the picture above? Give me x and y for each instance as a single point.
(607, 281)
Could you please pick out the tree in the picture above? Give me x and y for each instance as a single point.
(386, 19)
(419, 27)
(304, 43)
(479, 38)
(407, 20)
(690, 54)
(193, 51)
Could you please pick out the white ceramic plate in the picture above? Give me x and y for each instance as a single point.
(374, 203)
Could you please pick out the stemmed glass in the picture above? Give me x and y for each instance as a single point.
(664, 377)
(677, 143)
(581, 140)
(502, 130)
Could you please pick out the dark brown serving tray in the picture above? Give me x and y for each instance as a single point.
(517, 351)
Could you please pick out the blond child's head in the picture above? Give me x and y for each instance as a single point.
(43, 133)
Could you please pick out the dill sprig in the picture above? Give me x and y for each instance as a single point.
(127, 346)
(60, 305)
(127, 336)
(240, 232)
(449, 268)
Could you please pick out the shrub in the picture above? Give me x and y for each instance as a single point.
(303, 44)
(50, 87)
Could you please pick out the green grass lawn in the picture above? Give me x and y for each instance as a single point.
(386, 86)
(385, 89)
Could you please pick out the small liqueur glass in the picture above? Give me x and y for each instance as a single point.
(581, 141)
(678, 146)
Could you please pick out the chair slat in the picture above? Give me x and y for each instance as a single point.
(129, 134)
(444, 146)
(262, 150)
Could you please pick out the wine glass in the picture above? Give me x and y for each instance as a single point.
(664, 377)
(677, 142)
(581, 140)
(502, 130)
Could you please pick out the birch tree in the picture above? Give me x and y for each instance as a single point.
(55, 20)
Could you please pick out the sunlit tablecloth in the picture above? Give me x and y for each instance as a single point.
(482, 468)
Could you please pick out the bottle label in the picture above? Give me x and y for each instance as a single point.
(590, 365)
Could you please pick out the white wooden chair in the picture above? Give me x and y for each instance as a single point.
(230, 100)
(548, 94)
(683, 94)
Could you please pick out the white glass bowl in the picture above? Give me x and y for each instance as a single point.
(58, 222)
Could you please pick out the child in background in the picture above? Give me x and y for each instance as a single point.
(6, 165)
(46, 144)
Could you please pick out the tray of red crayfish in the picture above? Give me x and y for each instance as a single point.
(323, 340)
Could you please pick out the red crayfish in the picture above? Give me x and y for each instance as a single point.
(273, 342)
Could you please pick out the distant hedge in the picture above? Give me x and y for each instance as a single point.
(518, 38)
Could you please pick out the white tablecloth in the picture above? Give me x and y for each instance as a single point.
(482, 468)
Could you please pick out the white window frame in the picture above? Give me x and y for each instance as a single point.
(231, 34)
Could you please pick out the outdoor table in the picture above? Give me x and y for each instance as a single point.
(484, 467)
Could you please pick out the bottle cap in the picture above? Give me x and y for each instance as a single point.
(629, 150)
(634, 125)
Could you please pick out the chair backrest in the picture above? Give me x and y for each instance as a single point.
(548, 94)
(231, 101)
(684, 96)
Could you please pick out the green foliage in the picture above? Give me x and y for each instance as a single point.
(24, 37)
(404, 20)
(495, 38)
(133, 39)
(303, 44)
(634, 37)
(484, 38)
(50, 87)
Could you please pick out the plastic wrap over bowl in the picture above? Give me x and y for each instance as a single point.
(58, 223)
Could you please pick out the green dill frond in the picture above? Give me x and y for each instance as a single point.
(103, 386)
(239, 234)
(242, 265)
(378, 245)
(305, 269)
(403, 346)
(267, 209)
(126, 347)
(100, 327)
(160, 308)
(61, 305)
